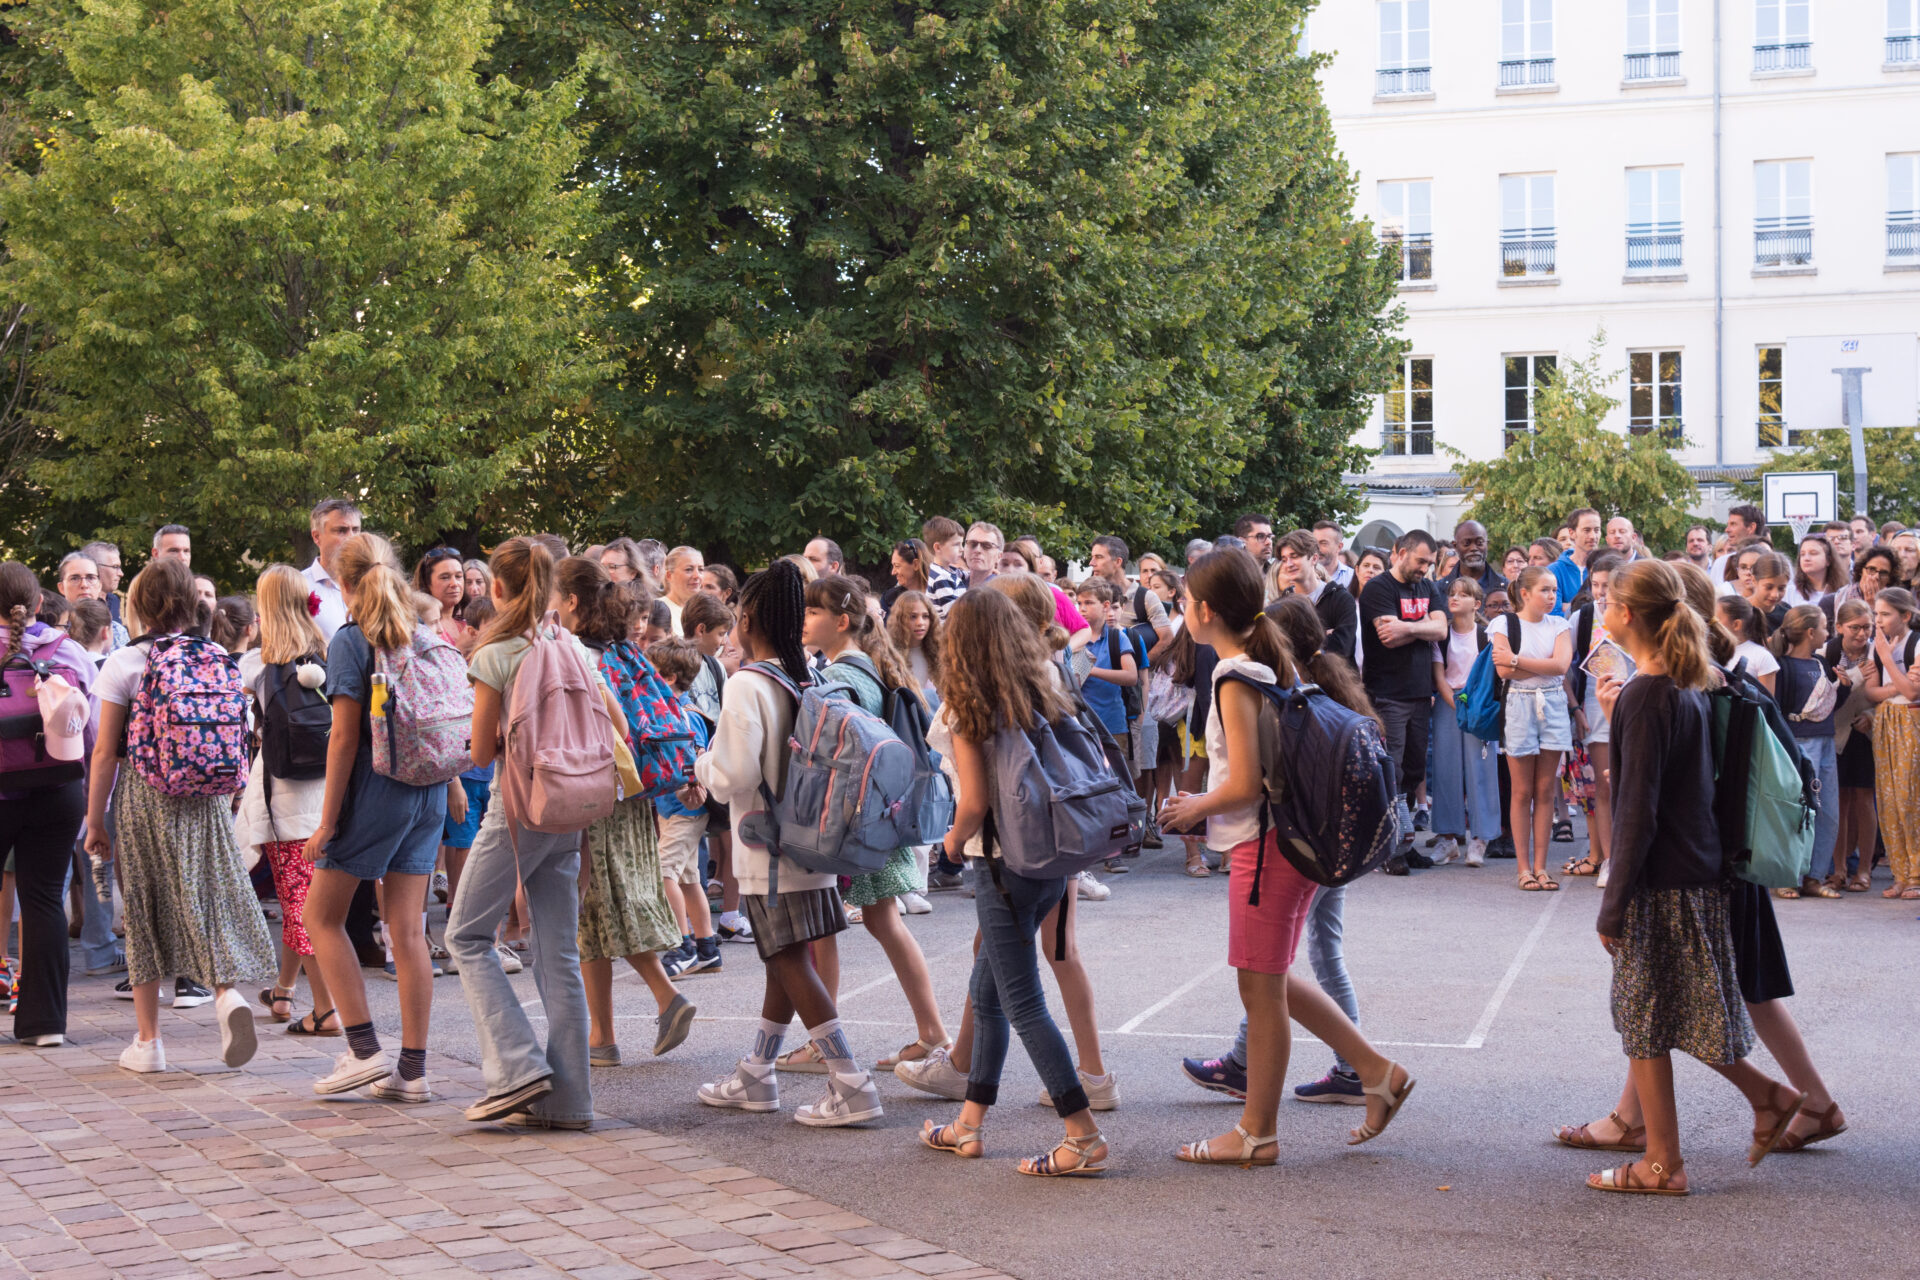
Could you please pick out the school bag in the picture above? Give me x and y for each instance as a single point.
(843, 807)
(1764, 786)
(1168, 701)
(1131, 698)
(1059, 804)
(930, 804)
(1329, 785)
(557, 772)
(659, 725)
(26, 763)
(187, 731)
(1141, 632)
(422, 730)
(295, 723)
(1483, 703)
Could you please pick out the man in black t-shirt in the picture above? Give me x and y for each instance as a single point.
(1401, 615)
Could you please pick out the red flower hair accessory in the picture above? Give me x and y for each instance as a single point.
(313, 604)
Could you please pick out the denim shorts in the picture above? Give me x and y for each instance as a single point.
(1537, 721)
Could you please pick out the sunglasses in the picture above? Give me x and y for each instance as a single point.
(907, 552)
(438, 554)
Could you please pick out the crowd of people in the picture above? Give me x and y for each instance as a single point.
(347, 831)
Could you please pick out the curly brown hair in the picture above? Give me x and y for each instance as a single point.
(997, 672)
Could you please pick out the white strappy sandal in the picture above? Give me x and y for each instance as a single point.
(1395, 1099)
(1203, 1152)
(893, 1060)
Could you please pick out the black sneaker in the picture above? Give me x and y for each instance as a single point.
(1419, 861)
(1396, 866)
(188, 994)
(1115, 867)
(677, 959)
(1153, 840)
(1501, 847)
(705, 957)
(124, 988)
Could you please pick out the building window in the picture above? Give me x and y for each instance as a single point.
(1782, 38)
(1406, 226)
(1653, 220)
(1653, 39)
(1406, 48)
(1772, 423)
(1783, 213)
(1526, 225)
(1653, 394)
(1525, 375)
(1903, 208)
(1408, 411)
(1526, 42)
(1903, 32)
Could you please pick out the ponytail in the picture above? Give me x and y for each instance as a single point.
(524, 570)
(1673, 605)
(1682, 641)
(383, 607)
(602, 611)
(1305, 634)
(1268, 647)
(1228, 582)
(1799, 621)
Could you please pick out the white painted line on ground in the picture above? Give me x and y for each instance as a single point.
(1181, 990)
(1478, 1038)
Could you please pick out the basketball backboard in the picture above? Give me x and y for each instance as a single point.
(1792, 496)
(1884, 369)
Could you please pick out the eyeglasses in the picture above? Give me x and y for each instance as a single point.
(82, 577)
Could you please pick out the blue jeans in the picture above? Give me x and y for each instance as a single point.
(1006, 988)
(1826, 812)
(1465, 782)
(1325, 933)
(511, 1055)
(98, 947)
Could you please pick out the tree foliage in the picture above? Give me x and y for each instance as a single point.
(1064, 264)
(1569, 461)
(287, 248)
(1893, 471)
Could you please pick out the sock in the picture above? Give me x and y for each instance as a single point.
(363, 1040)
(413, 1064)
(686, 943)
(766, 1041)
(831, 1042)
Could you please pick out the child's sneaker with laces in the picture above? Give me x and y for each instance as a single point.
(350, 1073)
(395, 1089)
(1334, 1087)
(934, 1074)
(1217, 1075)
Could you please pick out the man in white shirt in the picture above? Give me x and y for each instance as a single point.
(1623, 538)
(333, 521)
(1329, 538)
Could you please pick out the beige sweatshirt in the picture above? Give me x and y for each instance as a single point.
(749, 744)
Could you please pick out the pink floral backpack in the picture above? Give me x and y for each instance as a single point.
(422, 736)
(187, 729)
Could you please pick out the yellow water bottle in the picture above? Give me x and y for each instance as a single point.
(377, 704)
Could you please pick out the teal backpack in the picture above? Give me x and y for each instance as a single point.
(1483, 701)
(1764, 797)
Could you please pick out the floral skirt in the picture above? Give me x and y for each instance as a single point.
(624, 910)
(1674, 981)
(900, 875)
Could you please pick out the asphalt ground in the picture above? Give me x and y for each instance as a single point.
(1496, 1000)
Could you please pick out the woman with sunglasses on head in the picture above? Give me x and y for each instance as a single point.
(910, 561)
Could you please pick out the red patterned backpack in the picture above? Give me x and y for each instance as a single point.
(660, 728)
(187, 729)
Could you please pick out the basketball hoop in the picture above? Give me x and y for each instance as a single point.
(1799, 525)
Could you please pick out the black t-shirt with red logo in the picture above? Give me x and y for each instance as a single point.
(1405, 673)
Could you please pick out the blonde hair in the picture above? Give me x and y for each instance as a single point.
(1800, 620)
(807, 572)
(361, 552)
(523, 569)
(1035, 601)
(1656, 597)
(1701, 595)
(287, 630)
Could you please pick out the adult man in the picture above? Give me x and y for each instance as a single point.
(1197, 547)
(683, 579)
(1744, 522)
(1864, 535)
(1257, 532)
(206, 591)
(1470, 540)
(653, 558)
(1108, 559)
(106, 558)
(1700, 545)
(1400, 618)
(946, 579)
(1624, 540)
(981, 552)
(1329, 538)
(330, 524)
(1570, 570)
(174, 540)
(1297, 571)
(1840, 541)
(823, 554)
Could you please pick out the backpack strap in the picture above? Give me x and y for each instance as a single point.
(1582, 642)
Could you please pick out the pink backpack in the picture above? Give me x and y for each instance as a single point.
(557, 773)
(28, 758)
(424, 736)
(187, 729)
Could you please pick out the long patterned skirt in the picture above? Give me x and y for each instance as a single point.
(625, 908)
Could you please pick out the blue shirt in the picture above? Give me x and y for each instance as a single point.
(1571, 578)
(668, 805)
(376, 807)
(1104, 696)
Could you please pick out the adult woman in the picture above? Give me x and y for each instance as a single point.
(1664, 918)
(442, 576)
(1538, 729)
(278, 814)
(623, 562)
(1268, 901)
(999, 677)
(41, 809)
(1894, 689)
(1906, 550)
(189, 910)
(1513, 562)
(1817, 578)
(1371, 564)
(718, 580)
(1873, 569)
(477, 582)
(1850, 654)
(910, 560)
(1541, 553)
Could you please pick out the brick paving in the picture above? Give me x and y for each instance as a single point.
(203, 1171)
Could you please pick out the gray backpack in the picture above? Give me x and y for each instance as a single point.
(1059, 807)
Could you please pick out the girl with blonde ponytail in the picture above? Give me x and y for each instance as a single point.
(1263, 928)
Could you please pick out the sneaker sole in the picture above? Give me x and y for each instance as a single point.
(1238, 1095)
(238, 1043)
(727, 1105)
(490, 1109)
(191, 1002)
(673, 1033)
(838, 1121)
(1108, 1104)
(380, 1090)
(713, 966)
(958, 1096)
(1331, 1099)
(359, 1080)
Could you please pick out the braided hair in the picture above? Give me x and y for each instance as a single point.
(773, 604)
(19, 596)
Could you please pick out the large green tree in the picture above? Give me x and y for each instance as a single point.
(289, 248)
(1064, 264)
(1569, 461)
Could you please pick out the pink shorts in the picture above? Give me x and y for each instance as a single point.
(1265, 938)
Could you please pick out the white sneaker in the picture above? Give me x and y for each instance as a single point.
(1092, 890)
(144, 1056)
(747, 1089)
(509, 959)
(51, 1040)
(848, 1100)
(237, 1041)
(916, 903)
(1476, 853)
(934, 1074)
(1600, 880)
(350, 1073)
(1103, 1092)
(1444, 852)
(393, 1089)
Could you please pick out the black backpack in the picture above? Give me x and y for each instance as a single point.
(295, 723)
(1132, 696)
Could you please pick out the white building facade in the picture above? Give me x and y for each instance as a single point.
(1701, 179)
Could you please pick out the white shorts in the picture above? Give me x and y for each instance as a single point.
(680, 837)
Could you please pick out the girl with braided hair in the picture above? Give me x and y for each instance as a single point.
(757, 712)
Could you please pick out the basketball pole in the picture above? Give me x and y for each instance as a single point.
(1852, 411)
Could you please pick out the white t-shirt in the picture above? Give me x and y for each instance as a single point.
(1760, 661)
(1459, 656)
(1225, 830)
(120, 675)
(1536, 642)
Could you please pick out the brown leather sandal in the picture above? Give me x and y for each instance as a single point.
(1622, 1180)
(1832, 1125)
(1766, 1137)
(1631, 1138)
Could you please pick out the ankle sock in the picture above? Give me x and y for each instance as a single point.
(766, 1041)
(413, 1064)
(831, 1042)
(363, 1040)
(707, 947)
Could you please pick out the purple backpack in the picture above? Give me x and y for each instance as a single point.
(24, 762)
(187, 729)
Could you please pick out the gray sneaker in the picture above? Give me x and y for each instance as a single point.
(603, 1055)
(674, 1023)
(745, 1090)
(848, 1100)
